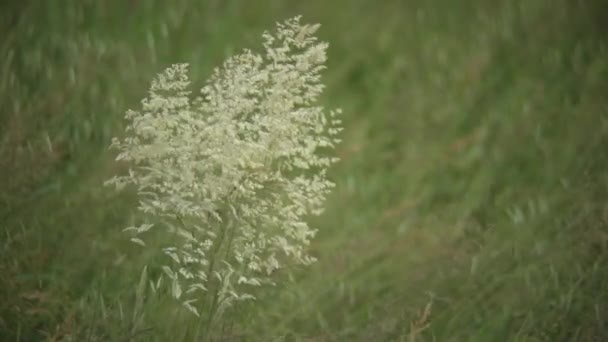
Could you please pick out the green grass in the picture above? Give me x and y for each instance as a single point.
(474, 172)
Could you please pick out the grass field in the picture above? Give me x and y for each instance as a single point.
(471, 200)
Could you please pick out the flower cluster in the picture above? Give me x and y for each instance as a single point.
(233, 171)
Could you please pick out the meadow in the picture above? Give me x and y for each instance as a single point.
(472, 193)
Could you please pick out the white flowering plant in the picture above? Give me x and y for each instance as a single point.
(231, 173)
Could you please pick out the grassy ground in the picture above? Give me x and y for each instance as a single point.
(473, 180)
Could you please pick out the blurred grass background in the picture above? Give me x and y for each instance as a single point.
(473, 180)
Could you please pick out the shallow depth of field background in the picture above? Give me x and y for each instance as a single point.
(473, 180)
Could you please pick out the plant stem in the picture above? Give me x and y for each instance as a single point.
(216, 250)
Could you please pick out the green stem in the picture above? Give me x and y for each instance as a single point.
(230, 230)
(213, 257)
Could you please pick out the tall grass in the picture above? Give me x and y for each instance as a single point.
(473, 173)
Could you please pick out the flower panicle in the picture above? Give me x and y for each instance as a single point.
(233, 171)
